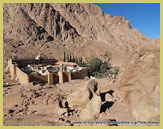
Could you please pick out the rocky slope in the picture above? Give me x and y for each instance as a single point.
(55, 28)
(83, 30)
(63, 105)
(139, 83)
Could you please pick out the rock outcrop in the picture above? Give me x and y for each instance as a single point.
(80, 97)
(86, 100)
(56, 28)
(139, 83)
(92, 109)
(83, 30)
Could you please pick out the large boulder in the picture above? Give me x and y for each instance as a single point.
(78, 98)
(82, 95)
(92, 110)
(93, 86)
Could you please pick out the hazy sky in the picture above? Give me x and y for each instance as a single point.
(143, 16)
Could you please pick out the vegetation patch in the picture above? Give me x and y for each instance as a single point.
(97, 67)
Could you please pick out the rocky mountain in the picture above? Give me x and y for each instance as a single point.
(82, 30)
(139, 83)
(55, 28)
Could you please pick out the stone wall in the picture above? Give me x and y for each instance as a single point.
(50, 78)
(37, 77)
(81, 74)
(21, 76)
(65, 77)
(23, 62)
(56, 78)
(12, 69)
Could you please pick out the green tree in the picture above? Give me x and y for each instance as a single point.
(104, 67)
(68, 58)
(73, 58)
(101, 69)
(80, 60)
(64, 58)
(94, 66)
(76, 60)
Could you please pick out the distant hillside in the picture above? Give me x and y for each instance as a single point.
(80, 29)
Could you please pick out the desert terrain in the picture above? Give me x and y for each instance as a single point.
(85, 31)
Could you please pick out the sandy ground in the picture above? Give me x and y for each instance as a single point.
(20, 109)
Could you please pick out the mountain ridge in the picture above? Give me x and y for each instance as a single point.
(70, 28)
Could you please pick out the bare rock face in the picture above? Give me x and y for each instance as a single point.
(23, 28)
(93, 87)
(92, 109)
(79, 98)
(115, 32)
(82, 95)
(50, 19)
(78, 14)
(55, 28)
(37, 20)
(139, 84)
(86, 99)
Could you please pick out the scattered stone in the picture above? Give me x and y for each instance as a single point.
(65, 114)
(33, 111)
(61, 119)
(11, 111)
(45, 101)
(7, 84)
(68, 121)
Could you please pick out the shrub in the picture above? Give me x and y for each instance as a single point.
(94, 66)
(97, 68)
(104, 67)
(107, 57)
(114, 72)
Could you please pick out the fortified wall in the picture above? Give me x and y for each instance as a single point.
(45, 70)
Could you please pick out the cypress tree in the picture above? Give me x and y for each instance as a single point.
(76, 60)
(81, 60)
(73, 59)
(70, 60)
(64, 58)
(68, 57)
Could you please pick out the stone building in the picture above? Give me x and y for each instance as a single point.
(48, 71)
